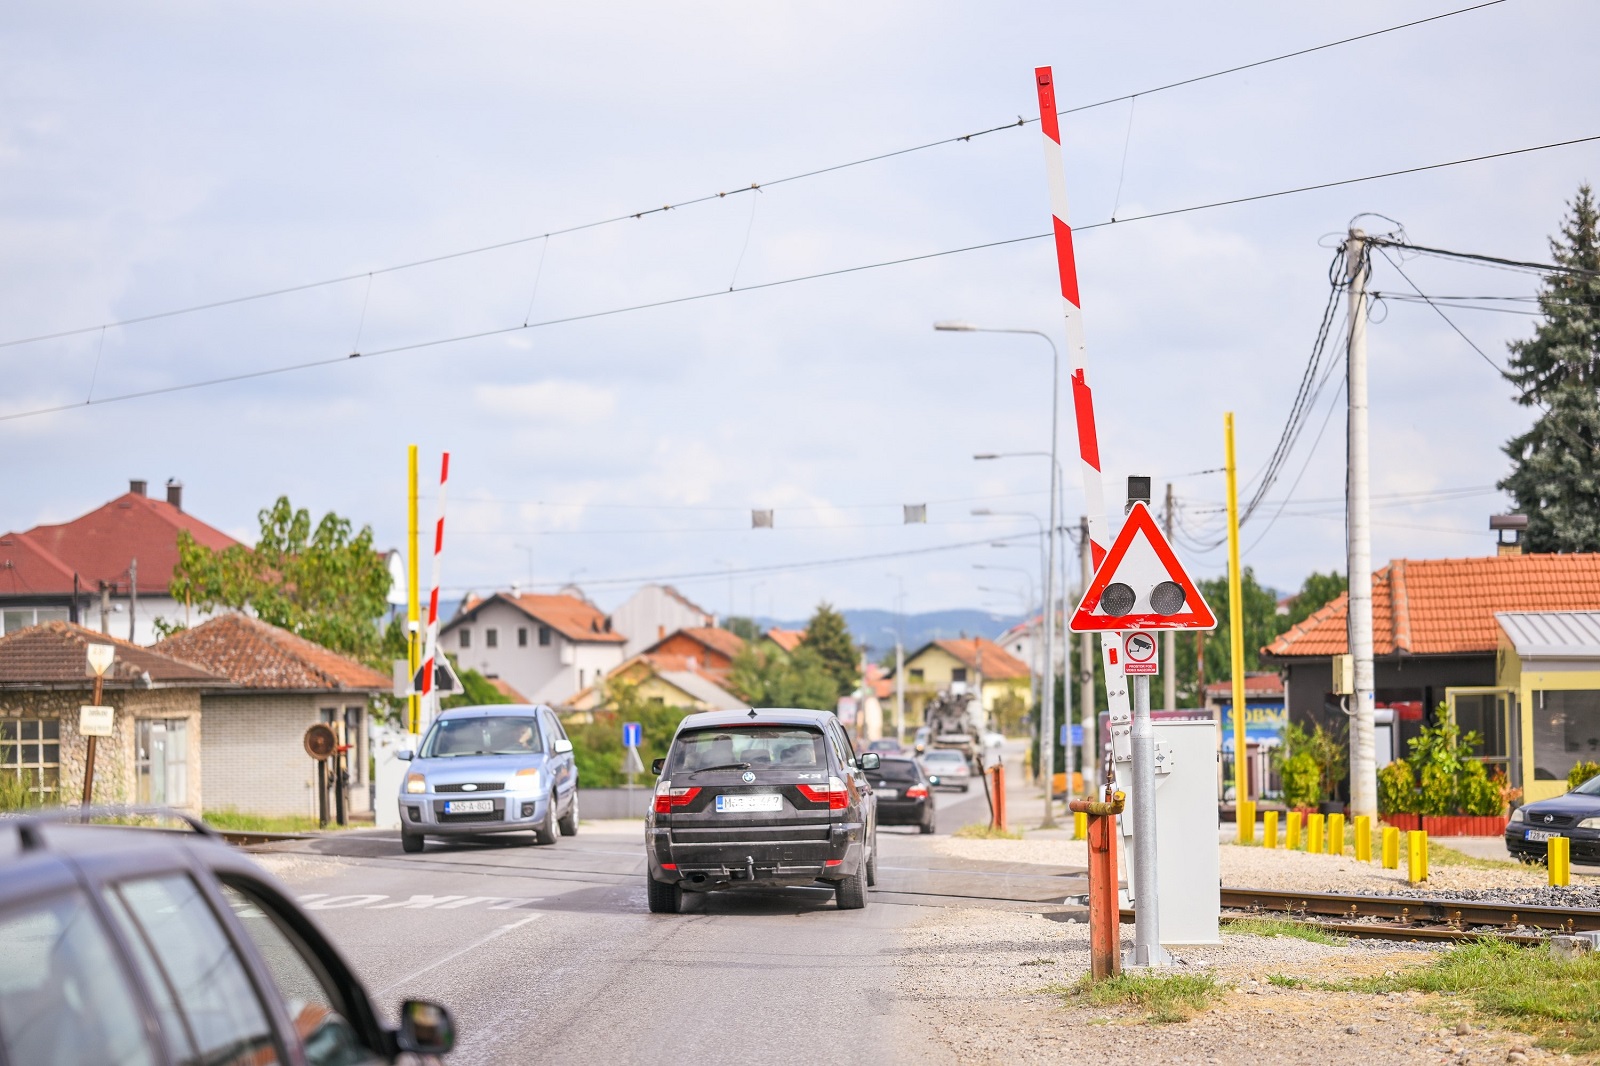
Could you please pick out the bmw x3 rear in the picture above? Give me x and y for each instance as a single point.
(761, 798)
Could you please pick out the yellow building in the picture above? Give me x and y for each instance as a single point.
(981, 664)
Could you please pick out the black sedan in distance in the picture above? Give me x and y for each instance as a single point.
(904, 793)
(1575, 816)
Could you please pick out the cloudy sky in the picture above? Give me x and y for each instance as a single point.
(159, 156)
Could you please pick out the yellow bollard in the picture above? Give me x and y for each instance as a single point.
(1269, 829)
(1558, 856)
(1291, 835)
(1336, 834)
(1246, 817)
(1363, 838)
(1391, 848)
(1416, 856)
(1314, 832)
(1080, 825)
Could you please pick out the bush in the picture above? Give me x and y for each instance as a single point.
(1581, 773)
(1302, 780)
(1476, 793)
(17, 792)
(1397, 789)
(597, 744)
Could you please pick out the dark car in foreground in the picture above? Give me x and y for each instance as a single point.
(903, 791)
(137, 946)
(1575, 815)
(762, 797)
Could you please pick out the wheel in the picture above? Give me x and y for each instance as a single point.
(926, 829)
(569, 821)
(410, 843)
(664, 897)
(966, 788)
(545, 831)
(872, 867)
(850, 893)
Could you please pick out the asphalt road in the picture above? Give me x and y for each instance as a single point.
(550, 954)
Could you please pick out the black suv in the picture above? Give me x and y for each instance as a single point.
(768, 797)
(139, 946)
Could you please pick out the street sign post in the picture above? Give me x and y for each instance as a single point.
(95, 721)
(101, 656)
(632, 738)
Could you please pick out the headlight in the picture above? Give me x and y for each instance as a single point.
(1589, 823)
(416, 783)
(526, 780)
(1519, 815)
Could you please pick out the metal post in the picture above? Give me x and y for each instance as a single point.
(900, 691)
(88, 765)
(413, 649)
(105, 608)
(322, 793)
(1169, 657)
(133, 596)
(1363, 757)
(1146, 893)
(1091, 719)
(1047, 714)
(1241, 791)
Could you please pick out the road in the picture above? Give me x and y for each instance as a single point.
(549, 953)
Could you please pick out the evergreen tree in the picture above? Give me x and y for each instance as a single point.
(829, 639)
(1556, 480)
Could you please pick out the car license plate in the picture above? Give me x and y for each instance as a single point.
(468, 806)
(1541, 834)
(760, 801)
(888, 793)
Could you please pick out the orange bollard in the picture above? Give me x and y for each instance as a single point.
(1105, 920)
(997, 795)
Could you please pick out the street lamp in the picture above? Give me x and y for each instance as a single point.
(1047, 718)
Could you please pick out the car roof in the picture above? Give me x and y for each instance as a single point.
(494, 710)
(755, 716)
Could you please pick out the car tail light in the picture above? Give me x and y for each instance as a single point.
(668, 797)
(834, 794)
(917, 792)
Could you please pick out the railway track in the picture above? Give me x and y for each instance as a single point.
(1403, 918)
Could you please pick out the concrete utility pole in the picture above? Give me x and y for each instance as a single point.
(1091, 720)
(105, 608)
(1363, 757)
(1169, 646)
(133, 597)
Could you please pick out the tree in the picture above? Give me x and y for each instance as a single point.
(828, 637)
(765, 677)
(597, 736)
(475, 690)
(744, 628)
(326, 584)
(1556, 479)
(1261, 624)
(1316, 592)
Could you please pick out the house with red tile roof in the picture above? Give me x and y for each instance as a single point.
(109, 569)
(1434, 630)
(785, 640)
(976, 662)
(275, 685)
(666, 678)
(710, 648)
(548, 647)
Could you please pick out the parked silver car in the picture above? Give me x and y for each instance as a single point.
(497, 769)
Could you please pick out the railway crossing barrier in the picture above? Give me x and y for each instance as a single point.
(1269, 829)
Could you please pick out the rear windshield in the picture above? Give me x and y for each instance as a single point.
(943, 756)
(490, 735)
(786, 746)
(894, 770)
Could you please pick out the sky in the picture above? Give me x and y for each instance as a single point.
(159, 156)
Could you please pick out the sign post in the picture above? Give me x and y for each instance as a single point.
(95, 721)
(1141, 587)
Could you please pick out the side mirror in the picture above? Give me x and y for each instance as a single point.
(405, 755)
(425, 1028)
(657, 765)
(563, 745)
(869, 760)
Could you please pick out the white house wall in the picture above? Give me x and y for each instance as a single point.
(543, 674)
(651, 614)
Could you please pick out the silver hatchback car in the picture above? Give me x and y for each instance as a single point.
(502, 768)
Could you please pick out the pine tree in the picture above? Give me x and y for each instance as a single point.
(829, 638)
(1556, 480)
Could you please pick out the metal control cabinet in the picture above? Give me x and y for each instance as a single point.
(1187, 869)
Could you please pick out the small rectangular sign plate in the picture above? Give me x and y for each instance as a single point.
(1541, 834)
(95, 721)
(760, 801)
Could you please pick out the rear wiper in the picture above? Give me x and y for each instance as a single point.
(723, 766)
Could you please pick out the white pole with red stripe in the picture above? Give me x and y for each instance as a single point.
(1077, 349)
(430, 697)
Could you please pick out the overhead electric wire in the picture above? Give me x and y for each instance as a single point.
(707, 197)
(1491, 260)
(670, 301)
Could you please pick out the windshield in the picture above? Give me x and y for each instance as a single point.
(793, 747)
(1590, 787)
(944, 756)
(489, 735)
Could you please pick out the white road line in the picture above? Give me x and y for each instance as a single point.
(478, 943)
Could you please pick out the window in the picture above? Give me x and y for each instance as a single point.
(30, 750)
(21, 618)
(916, 675)
(544, 636)
(522, 636)
(63, 996)
(1566, 728)
(161, 761)
(209, 1009)
(787, 746)
(355, 736)
(310, 997)
(491, 638)
(494, 734)
(958, 674)
(464, 637)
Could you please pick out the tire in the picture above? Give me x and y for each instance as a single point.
(926, 829)
(850, 893)
(410, 843)
(664, 897)
(545, 831)
(569, 821)
(966, 788)
(872, 867)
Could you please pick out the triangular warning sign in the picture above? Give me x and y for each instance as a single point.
(1141, 585)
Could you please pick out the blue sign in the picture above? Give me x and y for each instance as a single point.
(1076, 734)
(632, 734)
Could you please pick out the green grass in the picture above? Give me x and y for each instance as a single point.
(980, 831)
(227, 818)
(1163, 997)
(1439, 855)
(1527, 989)
(1285, 981)
(1281, 927)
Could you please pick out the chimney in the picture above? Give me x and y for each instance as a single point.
(175, 493)
(137, 486)
(1513, 524)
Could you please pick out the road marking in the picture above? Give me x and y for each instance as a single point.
(325, 902)
(417, 903)
(476, 944)
(334, 903)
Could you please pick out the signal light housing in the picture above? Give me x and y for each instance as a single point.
(1118, 599)
(1167, 598)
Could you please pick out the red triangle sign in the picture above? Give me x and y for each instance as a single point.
(1141, 585)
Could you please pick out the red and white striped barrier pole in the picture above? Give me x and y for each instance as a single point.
(430, 698)
(1077, 350)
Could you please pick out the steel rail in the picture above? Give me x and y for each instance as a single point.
(1460, 914)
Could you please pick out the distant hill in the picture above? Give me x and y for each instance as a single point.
(867, 626)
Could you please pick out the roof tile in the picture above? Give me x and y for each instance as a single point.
(54, 654)
(256, 655)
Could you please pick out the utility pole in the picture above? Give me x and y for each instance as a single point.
(1169, 646)
(1363, 757)
(1090, 718)
(899, 690)
(1241, 791)
(413, 597)
(105, 608)
(133, 597)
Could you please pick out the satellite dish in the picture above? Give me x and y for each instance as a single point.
(399, 591)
